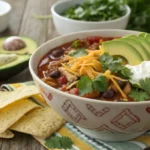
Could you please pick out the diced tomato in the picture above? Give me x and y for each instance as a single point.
(93, 39)
(74, 91)
(62, 80)
(97, 38)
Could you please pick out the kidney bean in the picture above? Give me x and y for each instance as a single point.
(55, 74)
(62, 80)
(57, 53)
(108, 94)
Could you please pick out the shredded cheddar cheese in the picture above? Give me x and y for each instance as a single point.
(85, 65)
(89, 65)
(109, 76)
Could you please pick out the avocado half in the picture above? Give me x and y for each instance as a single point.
(10, 69)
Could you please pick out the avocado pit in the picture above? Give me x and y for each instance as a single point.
(14, 43)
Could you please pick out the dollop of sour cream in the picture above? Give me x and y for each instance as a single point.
(140, 71)
(7, 58)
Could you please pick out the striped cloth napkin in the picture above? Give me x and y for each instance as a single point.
(82, 141)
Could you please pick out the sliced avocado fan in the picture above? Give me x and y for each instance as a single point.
(134, 48)
(144, 35)
(138, 46)
(123, 49)
(145, 43)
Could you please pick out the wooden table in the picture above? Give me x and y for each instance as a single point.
(23, 23)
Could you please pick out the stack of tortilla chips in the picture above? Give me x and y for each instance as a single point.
(20, 113)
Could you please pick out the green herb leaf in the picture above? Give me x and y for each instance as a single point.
(75, 44)
(59, 142)
(85, 85)
(53, 142)
(100, 84)
(114, 65)
(140, 15)
(66, 142)
(126, 72)
(145, 84)
(139, 95)
(78, 53)
(96, 10)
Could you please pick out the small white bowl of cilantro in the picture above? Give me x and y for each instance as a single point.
(79, 15)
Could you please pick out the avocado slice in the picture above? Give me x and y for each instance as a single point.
(144, 42)
(138, 46)
(145, 36)
(31, 46)
(14, 67)
(123, 49)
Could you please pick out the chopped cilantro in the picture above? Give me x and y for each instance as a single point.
(139, 95)
(86, 85)
(114, 65)
(100, 84)
(59, 142)
(96, 10)
(75, 44)
(145, 84)
(78, 53)
(126, 72)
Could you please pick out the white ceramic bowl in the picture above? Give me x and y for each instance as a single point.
(65, 25)
(5, 9)
(109, 121)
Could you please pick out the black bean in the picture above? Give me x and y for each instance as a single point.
(108, 94)
(55, 74)
(121, 84)
(57, 53)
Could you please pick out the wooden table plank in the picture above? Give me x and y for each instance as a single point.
(32, 27)
(18, 7)
(52, 33)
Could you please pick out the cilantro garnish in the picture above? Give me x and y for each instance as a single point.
(139, 95)
(125, 72)
(86, 85)
(75, 44)
(59, 142)
(114, 65)
(145, 84)
(78, 53)
(96, 10)
(100, 84)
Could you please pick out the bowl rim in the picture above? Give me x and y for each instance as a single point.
(9, 7)
(89, 22)
(74, 96)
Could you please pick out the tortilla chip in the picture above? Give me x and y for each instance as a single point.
(7, 98)
(41, 122)
(7, 134)
(13, 112)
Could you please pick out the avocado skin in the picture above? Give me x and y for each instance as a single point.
(11, 71)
